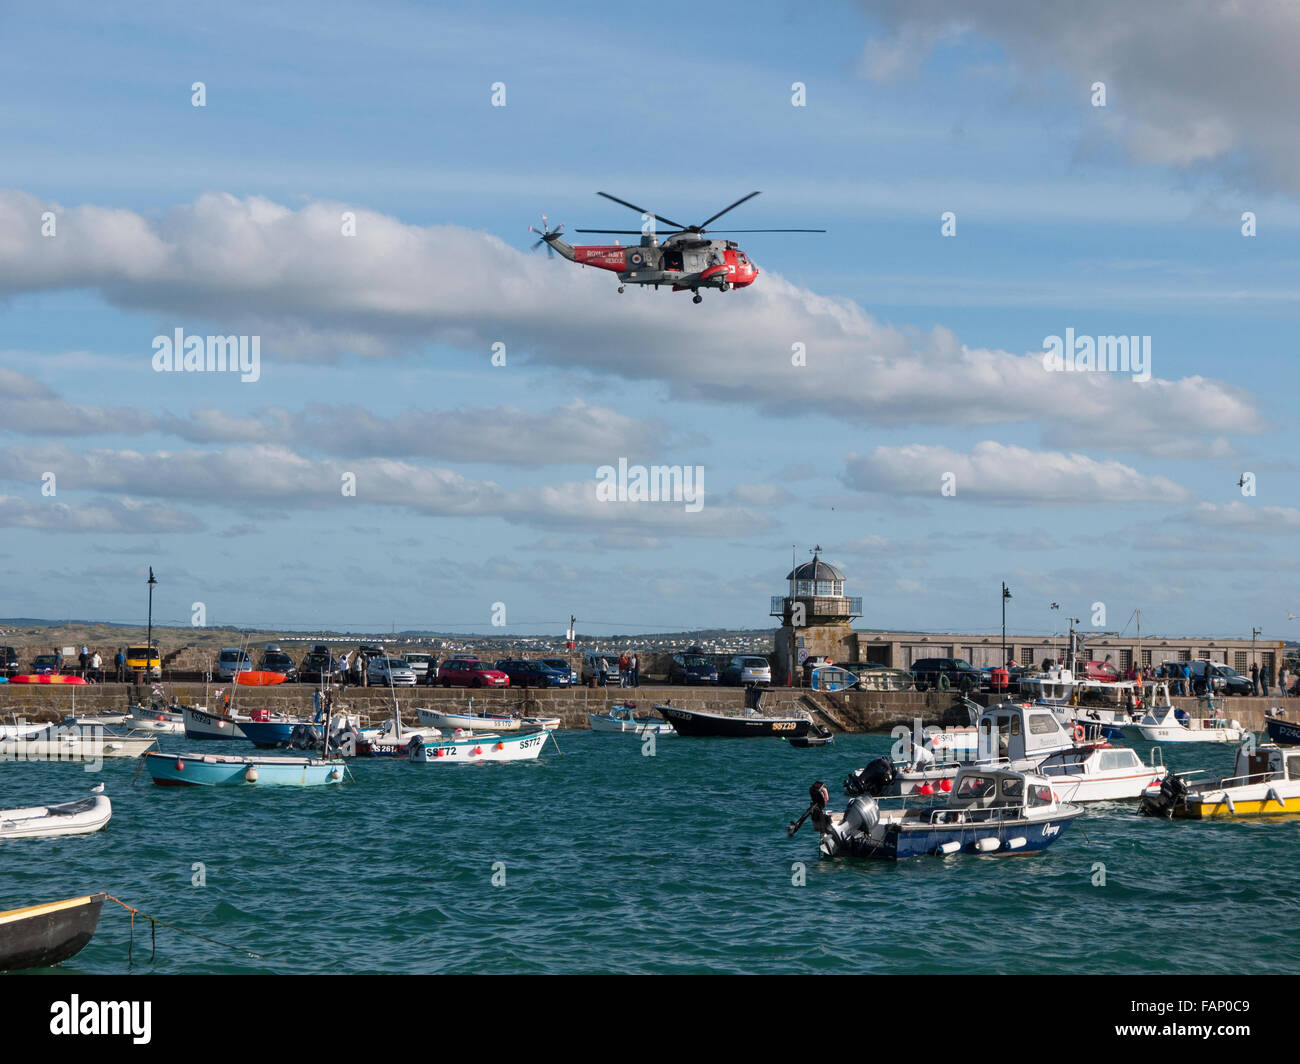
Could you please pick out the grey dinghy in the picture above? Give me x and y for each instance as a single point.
(68, 818)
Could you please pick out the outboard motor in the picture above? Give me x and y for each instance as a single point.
(303, 737)
(871, 780)
(1172, 791)
(859, 818)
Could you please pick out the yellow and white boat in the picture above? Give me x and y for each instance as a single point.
(1265, 782)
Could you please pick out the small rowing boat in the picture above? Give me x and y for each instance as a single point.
(624, 719)
(432, 718)
(41, 936)
(200, 724)
(214, 770)
(79, 817)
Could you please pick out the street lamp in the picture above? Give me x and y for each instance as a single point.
(148, 666)
(1005, 595)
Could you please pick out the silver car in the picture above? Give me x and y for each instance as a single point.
(231, 660)
(390, 671)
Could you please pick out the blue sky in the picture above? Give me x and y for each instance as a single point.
(475, 482)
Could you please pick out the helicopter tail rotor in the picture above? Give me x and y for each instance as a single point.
(546, 235)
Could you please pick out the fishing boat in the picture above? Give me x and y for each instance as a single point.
(432, 718)
(1161, 724)
(545, 723)
(1282, 732)
(218, 770)
(999, 812)
(624, 719)
(1265, 782)
(474, 748)
(1101, 773)
(41, 936)
(750, 724)
(200, 724)
(79, 817)
(56, 742)
(158, 716)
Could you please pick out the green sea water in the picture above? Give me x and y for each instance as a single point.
(601, 859)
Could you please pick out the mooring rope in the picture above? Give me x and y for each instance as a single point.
(155, 923)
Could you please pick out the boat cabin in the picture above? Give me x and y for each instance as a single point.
(1000, 789)
(1019, 730)
(1268, 762)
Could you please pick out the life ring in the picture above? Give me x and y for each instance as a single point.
(1079, 733)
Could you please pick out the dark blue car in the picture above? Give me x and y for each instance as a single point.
(533, 674)
(692, 669)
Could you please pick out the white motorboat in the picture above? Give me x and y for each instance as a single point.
(1265, 782)
(624, 719)
(432, 718)
(20, 730)
(1101, 773)
(157, 717)
(79, 817)
(545, 723)
(1160, 724)
(57, 742)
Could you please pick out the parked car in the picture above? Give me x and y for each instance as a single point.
(8, 661)
(385, 672)
(144, 659)
(276, 660)
(231, 660)
(591, 667)
(563, 666)
(745, 670)
(692, 669)
(1224, 678)
(524, 673)
(44, 664)
(460, 672)
(320, 665)
(962, 675)
(419, 663)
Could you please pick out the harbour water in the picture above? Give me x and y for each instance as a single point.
(609, 860)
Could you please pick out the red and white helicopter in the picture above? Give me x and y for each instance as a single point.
(687, 259)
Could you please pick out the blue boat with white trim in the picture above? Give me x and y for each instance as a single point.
(217, 770)
(990, 811)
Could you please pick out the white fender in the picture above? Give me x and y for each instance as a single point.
(987, 845)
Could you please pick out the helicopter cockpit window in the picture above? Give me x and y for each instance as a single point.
(740, 257)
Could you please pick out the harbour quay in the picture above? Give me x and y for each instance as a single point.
(843, 711)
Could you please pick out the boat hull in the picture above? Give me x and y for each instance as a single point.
(202, 725)
(205, 770)
(1247, 802)
(73, 748)
(268, 734)
(522, 747)
(41, 936)
(1013, 837)
(600, 722)
(466, 721)
(692, 723)
(1283, 732)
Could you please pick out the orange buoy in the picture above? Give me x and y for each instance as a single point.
(925, 788)
(180, 765)
(478, 750)
(945, 786)
(501, 746)
(161, 716)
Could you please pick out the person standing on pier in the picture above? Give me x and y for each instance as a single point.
(1254, 678)
(622, 669)
(1265, 678)
(604, 672)
(120, 662)
(1282, 677)
(1185, 687)
(634, 663)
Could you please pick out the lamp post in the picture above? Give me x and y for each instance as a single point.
(148, 666)
(1006, 594)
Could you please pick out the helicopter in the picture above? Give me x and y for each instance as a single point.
(687, 260)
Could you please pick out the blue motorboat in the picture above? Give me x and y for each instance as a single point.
(1282, 731)
(989, 811)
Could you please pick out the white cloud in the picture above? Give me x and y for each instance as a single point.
(998, 473)
(94, 515)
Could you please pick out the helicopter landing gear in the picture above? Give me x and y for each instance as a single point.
(697, 298)
(725, 286)
(620, 289)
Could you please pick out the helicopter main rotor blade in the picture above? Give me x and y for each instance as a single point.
(628, 232)
(767, 230)
(725, 209)
(642, 210)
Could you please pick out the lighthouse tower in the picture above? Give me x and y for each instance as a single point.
(816, 618)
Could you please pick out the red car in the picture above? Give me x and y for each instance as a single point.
(1097, 670)
(462, 673)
